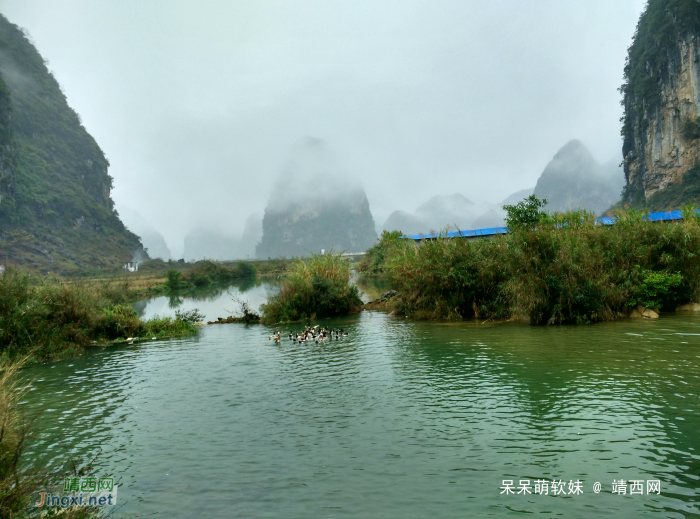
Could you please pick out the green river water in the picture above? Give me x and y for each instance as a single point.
(401, 419)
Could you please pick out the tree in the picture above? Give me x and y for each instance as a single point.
(526, 213)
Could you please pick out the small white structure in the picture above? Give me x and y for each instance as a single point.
(323, 252)
(132, 266)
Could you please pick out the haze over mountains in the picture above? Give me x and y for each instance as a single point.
(571, 180)
(201, 243)
(315, 205)
(56, 208)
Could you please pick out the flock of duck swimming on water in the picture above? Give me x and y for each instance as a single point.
(311, 334)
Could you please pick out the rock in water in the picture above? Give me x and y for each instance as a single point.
(573, 180)
(315, 206)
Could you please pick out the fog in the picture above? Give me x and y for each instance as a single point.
(310, 175)
(198, 105)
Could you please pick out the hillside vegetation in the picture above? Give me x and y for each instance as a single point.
(56, 213)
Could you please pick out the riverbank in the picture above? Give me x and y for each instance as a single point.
(157, 277)
(555, 269)
(48, 318)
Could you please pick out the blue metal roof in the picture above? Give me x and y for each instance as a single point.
(665, 216)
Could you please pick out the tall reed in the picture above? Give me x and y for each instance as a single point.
(564, 270)
(315, 287)
(20, 484)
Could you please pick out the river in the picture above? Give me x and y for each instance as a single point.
(399, 419)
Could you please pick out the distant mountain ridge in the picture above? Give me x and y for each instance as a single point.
(442, 211)
(571, 180)
(56, 212)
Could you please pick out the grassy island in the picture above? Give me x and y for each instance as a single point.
(315, 287)
(549, 268)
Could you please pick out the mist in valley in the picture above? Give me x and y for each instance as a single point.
(435, 114)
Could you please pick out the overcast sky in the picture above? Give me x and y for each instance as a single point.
(197, 104)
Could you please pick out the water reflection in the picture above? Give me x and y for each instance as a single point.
(400, 419)
(371, 287)
(213, 301)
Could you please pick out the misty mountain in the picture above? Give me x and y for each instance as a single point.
(56, 212)
(151, 239)
(439, 212)
(314, 205)
(252, 234)
(492, 218)
(517, 197)
(573, 179)
(212, 244)
(404, 222)
(452, 210)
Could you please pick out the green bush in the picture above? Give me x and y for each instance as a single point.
(374, 259)
(208, 273)
(659, 290)
(190, 316)
(316, 287)
(45, 318)
(567, 271)
(174, 279)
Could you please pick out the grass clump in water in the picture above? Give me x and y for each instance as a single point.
(558, 268)
(45, 318)
(315, 287)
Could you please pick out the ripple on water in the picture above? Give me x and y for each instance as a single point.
(400, 419)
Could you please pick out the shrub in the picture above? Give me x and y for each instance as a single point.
(45, 318)
(567, 271)
(190, 316)
(174, 280)
(207, 273)
(659, 290)
(118, 322)
(316, 287)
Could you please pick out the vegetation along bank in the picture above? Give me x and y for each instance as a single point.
(46, 318)
(549, 269)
